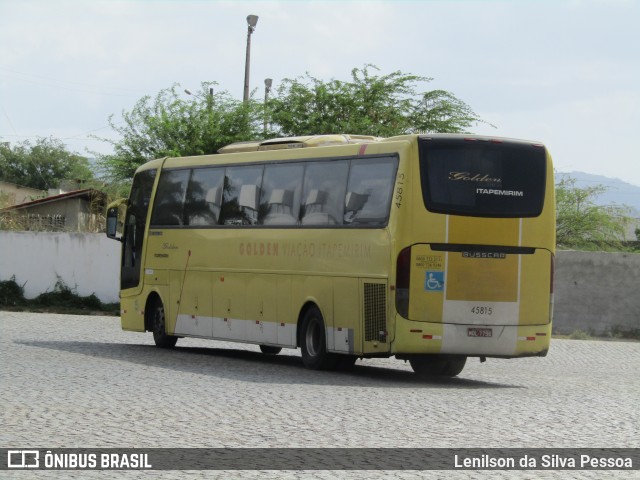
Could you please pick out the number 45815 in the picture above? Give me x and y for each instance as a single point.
(478, 310)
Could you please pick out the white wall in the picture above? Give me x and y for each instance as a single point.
(86, 262)
(597, 292)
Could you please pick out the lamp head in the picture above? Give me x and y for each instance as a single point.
(252, 21)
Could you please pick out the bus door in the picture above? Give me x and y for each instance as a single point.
(134, 228)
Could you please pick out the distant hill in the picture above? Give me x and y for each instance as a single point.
(618, 192)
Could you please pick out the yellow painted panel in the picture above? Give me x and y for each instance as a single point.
(132, 317)
(283, 303)
(483, 231)
(261, 298)
(346, 308)
(315, 289)
(417, 337)
(482, 279)
(229, 301)
(196, 294)
(346, 304)
(533, 340)
(535, 288)
(172, 305)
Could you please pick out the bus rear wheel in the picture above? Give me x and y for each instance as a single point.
(160, 336)
(313, 341)
(431, 366)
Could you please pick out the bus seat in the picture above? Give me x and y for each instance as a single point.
(249, 196)
(314, 214)
(280, 204)
(214, 196)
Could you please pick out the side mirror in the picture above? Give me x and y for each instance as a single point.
(113, 219)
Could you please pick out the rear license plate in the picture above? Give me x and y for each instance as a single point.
(479, 332)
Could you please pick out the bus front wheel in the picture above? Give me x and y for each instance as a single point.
(429, 366)
(314, 342)
(160, 336)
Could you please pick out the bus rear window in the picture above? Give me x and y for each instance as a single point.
(482, 178)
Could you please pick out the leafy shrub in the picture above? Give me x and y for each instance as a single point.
(11, 294)
(62, 299)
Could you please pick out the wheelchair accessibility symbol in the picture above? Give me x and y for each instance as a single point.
(434, 282)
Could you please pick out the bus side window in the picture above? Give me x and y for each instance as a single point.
(240, 195)
(204, 197)
(169, 204)
(369, 191)
(324, 192)
(280, 195)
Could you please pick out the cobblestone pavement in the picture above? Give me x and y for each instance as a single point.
(79, 381)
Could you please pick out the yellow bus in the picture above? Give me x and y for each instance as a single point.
(430, 248)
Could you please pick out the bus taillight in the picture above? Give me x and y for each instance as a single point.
(403, 277)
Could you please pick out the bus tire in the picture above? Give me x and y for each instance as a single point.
(431, 366)
(270, 350)
(313, 341)
(160, 336)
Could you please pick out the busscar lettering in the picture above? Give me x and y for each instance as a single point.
(499, 255)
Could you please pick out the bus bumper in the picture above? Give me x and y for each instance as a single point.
(506, 341)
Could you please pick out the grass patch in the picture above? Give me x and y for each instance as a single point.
(62, 299)
(580, 335)
(575, 335)
(616, 333)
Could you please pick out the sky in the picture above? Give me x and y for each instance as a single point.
(562, 72)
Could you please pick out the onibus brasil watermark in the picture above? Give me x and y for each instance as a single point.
(320, 459)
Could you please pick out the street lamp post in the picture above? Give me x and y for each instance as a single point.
(252, 20)
(267, 88)
(209, 97)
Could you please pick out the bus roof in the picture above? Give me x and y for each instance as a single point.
(298, 142)
(310, 141)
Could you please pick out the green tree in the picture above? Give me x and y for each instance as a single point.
(370, 104)
(580, 223)
(174, 124)
(42, 165)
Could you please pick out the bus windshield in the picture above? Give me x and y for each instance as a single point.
(482, 178)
